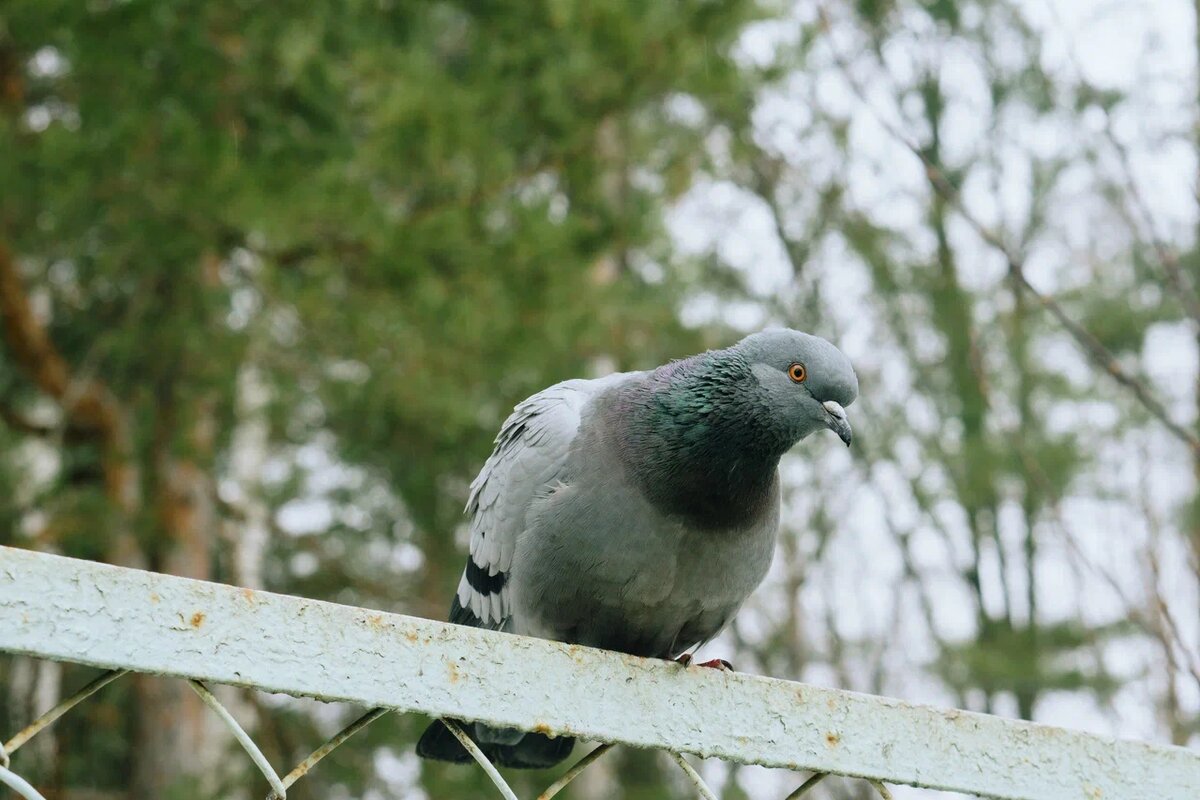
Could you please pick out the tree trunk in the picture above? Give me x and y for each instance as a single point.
(178, 739)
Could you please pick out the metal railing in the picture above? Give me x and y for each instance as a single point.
(124, 620)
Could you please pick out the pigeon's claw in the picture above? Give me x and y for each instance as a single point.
(716, 663)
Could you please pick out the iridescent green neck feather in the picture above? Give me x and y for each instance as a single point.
(701, 439)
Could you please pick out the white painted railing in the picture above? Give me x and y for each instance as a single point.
(122, 620)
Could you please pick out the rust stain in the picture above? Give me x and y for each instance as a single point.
(454, 674)
(411, 635)
(375, 621)
(541, 727)
(249, 595)
(832, 739)
(197, 619)
(154, 598)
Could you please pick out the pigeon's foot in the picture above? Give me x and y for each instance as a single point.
(716, 663)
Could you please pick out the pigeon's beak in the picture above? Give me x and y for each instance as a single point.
(836, 420)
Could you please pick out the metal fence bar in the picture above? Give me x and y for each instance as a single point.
(242, 737)
(304, 766)
(809, 784)
(478, 755)
(111, 617)
(19, 785)
(694, 777)
(574, 771)
(47, 719)
(884, 792)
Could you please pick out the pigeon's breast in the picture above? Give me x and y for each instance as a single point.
(599, 564)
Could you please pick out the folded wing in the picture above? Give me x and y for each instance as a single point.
(530, 454)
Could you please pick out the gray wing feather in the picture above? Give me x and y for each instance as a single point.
(528, 458)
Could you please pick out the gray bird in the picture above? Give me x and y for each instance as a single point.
(636, 512)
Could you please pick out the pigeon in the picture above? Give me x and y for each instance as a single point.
(636, 512)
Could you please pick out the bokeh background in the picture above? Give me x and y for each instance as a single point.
(271, 275)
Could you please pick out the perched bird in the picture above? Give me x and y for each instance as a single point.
(636, 512)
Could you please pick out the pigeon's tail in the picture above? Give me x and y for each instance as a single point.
(521, 751)
(504, 747)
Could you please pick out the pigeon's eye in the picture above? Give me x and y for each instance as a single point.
(797, 372)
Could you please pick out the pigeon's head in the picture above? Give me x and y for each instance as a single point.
(808, 381)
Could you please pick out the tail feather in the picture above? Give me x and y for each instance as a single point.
(533, 751)
(439, 744)
(504, 747)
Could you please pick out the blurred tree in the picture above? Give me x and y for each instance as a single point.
(271, 276)
(921, 167)
(349, 236)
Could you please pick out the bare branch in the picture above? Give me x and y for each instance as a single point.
(1092, 347)
(1189, 296)
(88, 404)
(22, 424)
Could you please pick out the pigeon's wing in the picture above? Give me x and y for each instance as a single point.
(529, 456)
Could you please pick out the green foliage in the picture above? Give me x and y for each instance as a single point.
(403, 218)
(944, 11)
(396, 220)
(1120, 308)
(874, 12)
(1053, 657)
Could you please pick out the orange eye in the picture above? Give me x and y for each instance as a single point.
(797, 372)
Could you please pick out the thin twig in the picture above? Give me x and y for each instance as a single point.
(1189, 296)
(1092, 347)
